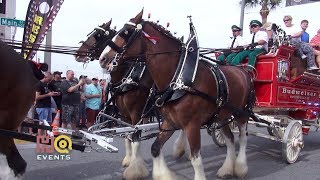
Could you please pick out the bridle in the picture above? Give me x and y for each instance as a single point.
(102, 38)
(129, 35)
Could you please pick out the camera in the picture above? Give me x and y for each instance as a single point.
(83, 77)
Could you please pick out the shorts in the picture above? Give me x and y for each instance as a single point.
(91, 115)
(44, 114)
(70, 113)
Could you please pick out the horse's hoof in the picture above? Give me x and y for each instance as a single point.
(126, 161)
(225, 172)
(241, 169)
(136, 170)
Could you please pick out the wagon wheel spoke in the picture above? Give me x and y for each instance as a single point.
(217, 136)
(292, 142)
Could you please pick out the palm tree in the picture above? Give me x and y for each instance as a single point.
(266, 5)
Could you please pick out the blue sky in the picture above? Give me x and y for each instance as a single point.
(212, 21)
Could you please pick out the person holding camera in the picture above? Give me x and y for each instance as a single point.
(43, 98)
(70, 102)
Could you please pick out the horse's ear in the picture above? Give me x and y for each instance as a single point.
(108, 23)
(138, 17)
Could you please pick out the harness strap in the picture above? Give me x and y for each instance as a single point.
(115, 47)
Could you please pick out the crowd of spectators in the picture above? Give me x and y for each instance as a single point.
(78, 99)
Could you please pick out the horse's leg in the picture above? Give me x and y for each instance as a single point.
(241, 168)
(228, 165)
(126, 160)
(194, 139)
(180, 145)
(160, 168)
(137, 168)
(12, 165)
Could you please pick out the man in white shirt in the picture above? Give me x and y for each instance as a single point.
(304, 49)
(237, 41)
(258, 46)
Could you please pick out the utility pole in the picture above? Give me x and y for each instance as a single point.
(243, 4)
(47, 55)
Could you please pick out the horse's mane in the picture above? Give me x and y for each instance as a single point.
(163, 30)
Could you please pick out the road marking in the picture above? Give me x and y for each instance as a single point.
(18, 141)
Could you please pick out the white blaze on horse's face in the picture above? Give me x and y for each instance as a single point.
(106, 51)
(108, 54)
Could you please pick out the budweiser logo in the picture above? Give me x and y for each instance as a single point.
(292, 91)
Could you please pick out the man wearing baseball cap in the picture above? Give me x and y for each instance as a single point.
(258, 45)
(93, 94)
(237, 41)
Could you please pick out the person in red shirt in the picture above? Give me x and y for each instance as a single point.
(315, 43)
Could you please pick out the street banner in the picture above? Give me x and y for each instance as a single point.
(39, 18)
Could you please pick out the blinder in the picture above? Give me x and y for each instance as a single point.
(101, 38)
(128, 34)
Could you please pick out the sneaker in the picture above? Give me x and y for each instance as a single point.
(304, 56)
(313, 68)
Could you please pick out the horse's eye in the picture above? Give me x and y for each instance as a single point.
(107, 33)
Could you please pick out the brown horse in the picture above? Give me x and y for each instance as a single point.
(191, 111)
(17, 94)
(130, 103)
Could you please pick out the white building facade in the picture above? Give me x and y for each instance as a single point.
(7, 10)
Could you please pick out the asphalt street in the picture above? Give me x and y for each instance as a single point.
(264, 160)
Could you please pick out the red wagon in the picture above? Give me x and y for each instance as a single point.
(287, 101)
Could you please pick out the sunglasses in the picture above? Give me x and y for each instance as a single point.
(254, 26)
(235, 30)
(286, 20)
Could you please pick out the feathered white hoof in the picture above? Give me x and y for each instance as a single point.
(126, 161)
(240, 168)
(161, 171)
(225, 171)
(136, 170)
(169, 175)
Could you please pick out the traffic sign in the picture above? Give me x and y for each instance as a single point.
(12, 22)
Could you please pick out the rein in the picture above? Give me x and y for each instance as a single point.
(55, 49)
(129, 56)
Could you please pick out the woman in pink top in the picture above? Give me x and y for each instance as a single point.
(315, 43)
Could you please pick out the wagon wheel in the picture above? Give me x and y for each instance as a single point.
(217, 135)
(270, 131)
(292, 142)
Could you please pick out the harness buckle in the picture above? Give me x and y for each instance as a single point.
(159, 102)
